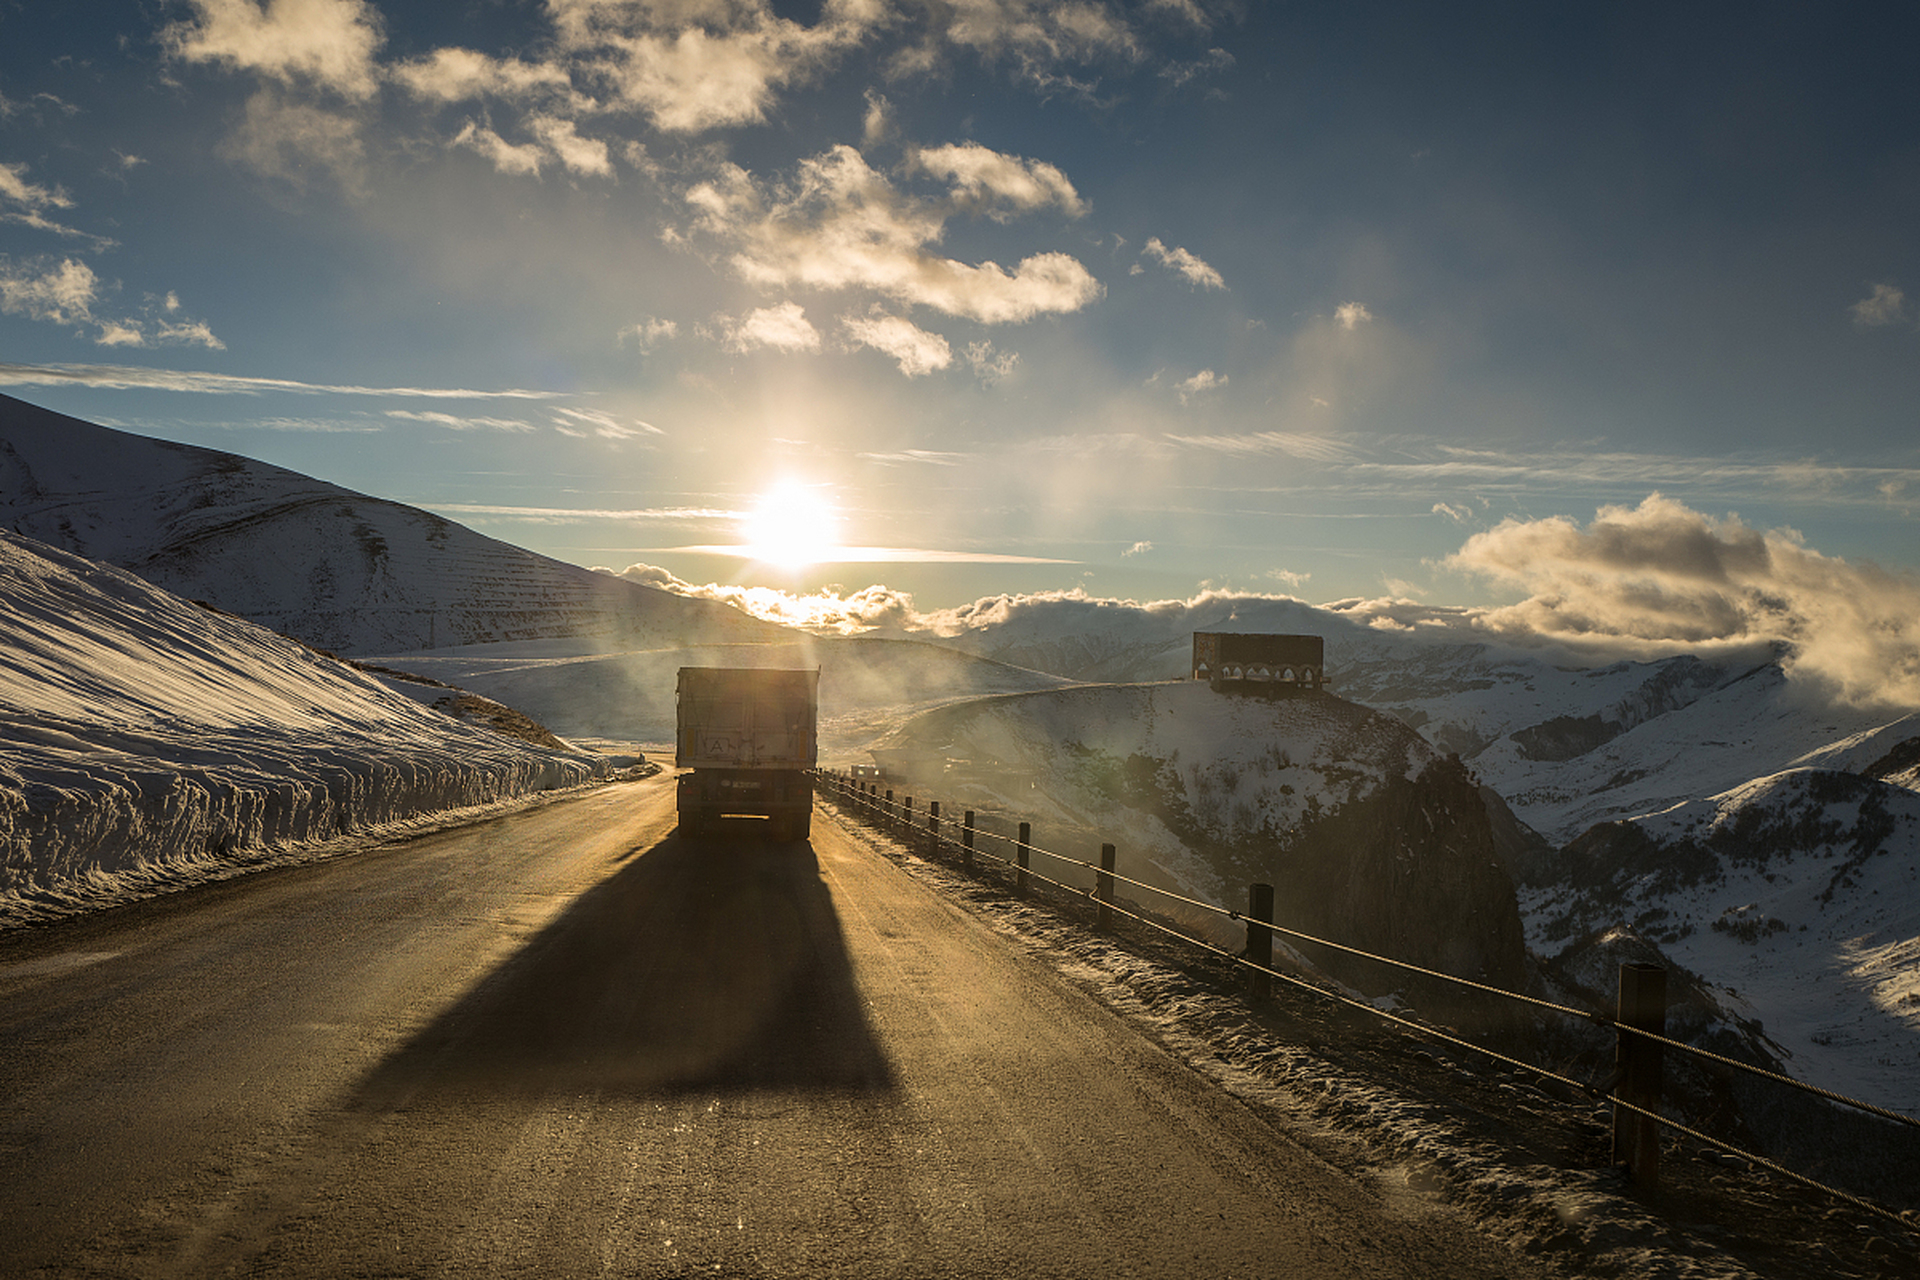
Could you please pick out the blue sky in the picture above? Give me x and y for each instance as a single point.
(1134, 298)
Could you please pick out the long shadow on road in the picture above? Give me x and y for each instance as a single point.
(700, 964)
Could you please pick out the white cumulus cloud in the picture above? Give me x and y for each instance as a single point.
(784, 328)
(839, 224)
(1184, 262)
(1351, 315)
(692, 65)
(1885, 305)
(328, 43)
(1200, 384)
(998, 184)
(917, 351)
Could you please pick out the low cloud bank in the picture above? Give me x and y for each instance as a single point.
(1664, 575)
(875, 608)
(1635, 582)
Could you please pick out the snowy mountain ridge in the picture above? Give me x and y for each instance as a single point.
(341, 570)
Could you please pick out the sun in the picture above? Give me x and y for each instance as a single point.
(792, 525)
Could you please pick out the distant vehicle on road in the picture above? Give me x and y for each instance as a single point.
(866, 773)
(747, 737)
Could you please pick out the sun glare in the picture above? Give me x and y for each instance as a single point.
(792, 525)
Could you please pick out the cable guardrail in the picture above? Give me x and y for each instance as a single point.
(866, 796)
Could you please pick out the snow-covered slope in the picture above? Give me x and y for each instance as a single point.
(143, 736)
(338, 569)
(1798, 894)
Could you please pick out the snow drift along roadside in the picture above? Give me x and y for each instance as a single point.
(140, 731)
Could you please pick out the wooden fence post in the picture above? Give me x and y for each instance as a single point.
(1260, 940)
(1020, 856)
(1103, 886)
(966, 840)
(906, 816)
(1637, 1060)
(933, 828)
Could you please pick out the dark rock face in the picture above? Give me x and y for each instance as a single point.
(1526, 854)
(1900, 766)
(1565, 737)
(1409, 872)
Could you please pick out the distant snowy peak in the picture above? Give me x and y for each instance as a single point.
(1799, 890)
(1900, 766)
(338, 569)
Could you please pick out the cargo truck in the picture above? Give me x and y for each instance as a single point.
(745, 737)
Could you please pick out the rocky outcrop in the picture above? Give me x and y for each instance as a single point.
(1370, 837)
(1410, 872)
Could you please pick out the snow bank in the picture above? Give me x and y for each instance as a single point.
(140, 731)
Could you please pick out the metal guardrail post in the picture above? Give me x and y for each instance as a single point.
(1103, 886)
(1020, 856)
(966, 840)
(1637, 1060)
(1259, 940)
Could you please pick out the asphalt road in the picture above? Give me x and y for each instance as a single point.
(570, 1043)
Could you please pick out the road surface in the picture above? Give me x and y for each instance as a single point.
(571, 1043)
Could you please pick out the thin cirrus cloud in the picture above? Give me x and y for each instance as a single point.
(460, 421)
(30, 204)
(1387, 466)
(584, 423)
(879, 555)
(125, 377)
(574, 515)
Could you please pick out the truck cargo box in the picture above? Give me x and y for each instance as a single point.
(748, 736)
